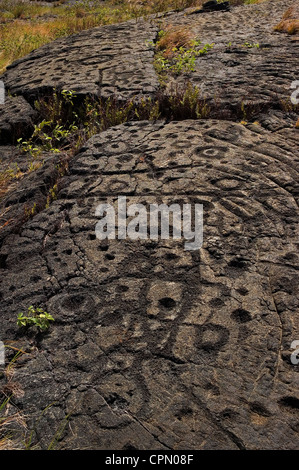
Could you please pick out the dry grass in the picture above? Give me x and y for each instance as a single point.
(290, 21)
(174, 38)
(7, 177)
(27, 26)
(10, 417)
(18, 38)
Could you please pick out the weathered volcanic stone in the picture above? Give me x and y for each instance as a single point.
(27, 193)
(153, 346)
(16, 119)
(213, 5)
(250, 63)
(109, 60)
(156, 347)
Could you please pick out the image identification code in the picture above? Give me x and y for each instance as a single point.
(154, 459)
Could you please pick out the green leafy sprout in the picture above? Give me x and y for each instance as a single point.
(35, 317)
(177, 59)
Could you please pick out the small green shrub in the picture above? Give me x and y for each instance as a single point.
(35, 317)
(250, 45)
(176, 52)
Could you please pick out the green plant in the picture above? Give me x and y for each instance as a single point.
(58, 107)
(35, 317)
(52, 195)
(184, 60)
(57, 127)
(184, 102)
(176, 52)
(28, 147)
(250, 45)
(29, 212)
(28, 442)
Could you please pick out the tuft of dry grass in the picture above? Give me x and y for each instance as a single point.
(7, 177)
(174, 38)
(290, 21)
(10, 417)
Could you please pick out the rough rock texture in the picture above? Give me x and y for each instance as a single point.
(27, 194)
(16, 120)
(118, 59)
(107, 60)
(249, 62)
(154, 346)
(290, 21)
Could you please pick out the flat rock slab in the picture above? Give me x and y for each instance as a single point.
(104, 61)
(250, 63)
(154, 346)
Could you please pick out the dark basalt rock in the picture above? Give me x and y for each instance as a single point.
(135, 318)
(109, 60)
(153, 346)
(16, 120)
(27, 195)
(213, 5)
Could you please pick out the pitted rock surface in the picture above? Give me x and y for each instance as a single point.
(249, 62)
(156, 347)
(108, 60)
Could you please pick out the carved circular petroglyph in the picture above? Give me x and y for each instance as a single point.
(157, 346)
